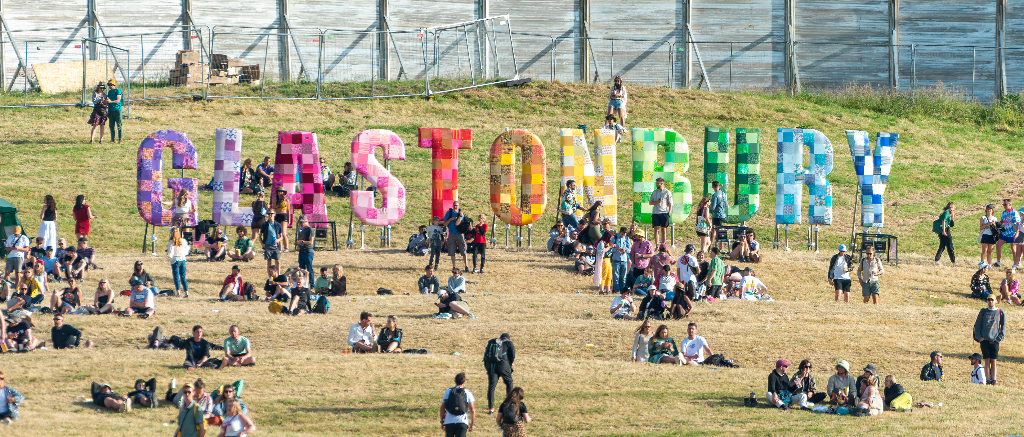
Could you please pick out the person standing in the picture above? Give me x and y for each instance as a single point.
(661, 199)
(48, 227)
(719, 206)
(621, 246)
(868, 273)
(716, 271)
(17, 245)
(435, 238)
(305, 245)
(639, 257)
(839, 273)
(282, 214)
(617, 98)
(703, 224)
(114, 114)
(100, 109)
(941, 227)
(989, 329)
(456, 241)
(458, 409)
(568, 206)
(480, 242)
(9, 400)
(83, 215)
(178, 250)
(933, 370)
(271, 234)
(989, 233)
(190, 417)
(259, 215)
(1009, 221)
(513, 415)
(499, 356)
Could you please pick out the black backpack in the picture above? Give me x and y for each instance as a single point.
(322, 305)
(457, 403)
(249, 292)
(510, 413)
(465, 226)
(493, 353)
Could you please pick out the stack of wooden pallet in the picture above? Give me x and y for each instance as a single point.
(220, 71)
(190, 71)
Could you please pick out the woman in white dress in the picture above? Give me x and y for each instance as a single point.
(48, 227)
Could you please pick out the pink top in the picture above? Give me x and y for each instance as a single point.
(1011, 287)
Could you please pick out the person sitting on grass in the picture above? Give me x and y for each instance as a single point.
(643, 283)
(585, 260)
(360, 335)
(339, 284)
(662, 348)
(234, 415)
(842, 388)
(20, 337)
(623, 306)
(145, 393)
(10, 398)
(85, 255)
(449, 303)
(277, 287)
(65, 336)
(243, 246)
(103, 301)
(428, 283)
(803, 379)
(20, 299)
(322, 285)
(232, 286)
(237, 350)
(781, 389)
(693, 346)
(68, 299)
(894, 394)
(197, 390)
(142, 300)
(389, 340)
(980, 287)
(1010, 287)
(752, 288)
(456, 282)
(933, 370)
(871, 399)
(197, 350)
(104, 396)
(299, 303)
(418, 244)
(215, 245)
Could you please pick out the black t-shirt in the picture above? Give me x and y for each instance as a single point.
(305, 234)
(303, 294)
(703, 271)
(506, 419)
(61, 336)
(257, 211)
(70, 296)
(18, 332)
(144, 277)
(215, 240)
(447, 300)
(195, 351)
(271, 286)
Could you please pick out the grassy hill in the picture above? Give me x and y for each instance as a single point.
(572, 359)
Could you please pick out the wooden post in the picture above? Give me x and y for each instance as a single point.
(790, 56)
(894, 45)
(186, 20)
(687, 43)
(94, 27)
(1000, 90)
(483, 55)
(283, 47)
(584, 58)
(3, 65)
(383, 46)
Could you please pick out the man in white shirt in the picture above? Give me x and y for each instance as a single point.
(458, 424)
(661, 199)
(839, 273)
(693, 346)
(142, 301)
(623, 306)
(687, 269)
(978, 373)
(17, 245)
(750, 286)
(360, 335)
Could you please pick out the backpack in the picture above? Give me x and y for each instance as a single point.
(465, 226)
(510, 413)
(493, 353)
(457, 403)
(249, 292)
(321, 306)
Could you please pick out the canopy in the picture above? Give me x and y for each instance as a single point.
(8, 219)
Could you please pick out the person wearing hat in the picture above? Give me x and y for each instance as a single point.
(304, 244)
(989, 330)
(100, 109)
(265, 171)
(640, 255)
(231, 288)
(980, 286)
(142, 300)
(933, 370)
(499, 366)
(989, 226)
(978, 372)
(869, 371)
(839, 273)
(104, 396)
(783, 392)
(145, 393)
(841, 385)
(114, 112)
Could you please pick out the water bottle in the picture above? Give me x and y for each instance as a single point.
(174, 384)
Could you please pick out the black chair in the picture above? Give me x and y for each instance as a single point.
(320, 236)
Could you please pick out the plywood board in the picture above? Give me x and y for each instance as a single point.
(60, 77)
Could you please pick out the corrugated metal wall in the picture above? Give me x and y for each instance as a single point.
(740, 41)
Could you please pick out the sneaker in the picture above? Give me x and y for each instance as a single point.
(472, 317)
(6, 421)
(805, 408)
(1016, 267)
(991, 382)
(474, 271)
(981, 263)
(481, 271)
(490, 411)
(143, 316)
(996, 264)
(785, 407)
(126, 407)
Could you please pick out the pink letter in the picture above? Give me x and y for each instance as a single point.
(390, 188)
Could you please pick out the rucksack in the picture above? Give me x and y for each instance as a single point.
(321, 306)
(465, 226)
(510, 413)
(493, 351)
(249, 292)
(457, 403)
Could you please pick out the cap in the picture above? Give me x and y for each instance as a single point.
(135, 282)
(663, 247)
(871, 368)
(781, 363)
(235, 267)
(111, 82)
(990, 206)
(639, 233)
(975, 356)
(842, 248)
(690, 248)
(105, 385)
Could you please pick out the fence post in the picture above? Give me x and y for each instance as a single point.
(583, 61)
(186, 20)
(3, 65)
(94, 26)
(894, 45)
(85, 67)
(790, 63)
(382, 40)
(1000, 90)
(687, 43)
(283, 48)
(483, 10)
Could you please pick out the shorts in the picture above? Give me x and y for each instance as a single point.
(1019, 239)
(988, 239)
(869, 288)
(716, 222)
(15, 264)
(280, 217)
(616, 103)
(844, 284)
(714, 291)
(7, 415)
(659, 220)
(990, 349)
(1006, 239)
(456, 244)
(271, 253)
(702, 234)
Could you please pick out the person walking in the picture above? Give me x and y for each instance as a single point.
(621, 246)
(100, 109)
(568, 206)
(513, 415)
(114, 113)
(661, 199)
(458, 409)
(989, 330)
(839, 273)
(499, 356)
(868, 273)
(941, 226)
(617, 98)
(988, 225)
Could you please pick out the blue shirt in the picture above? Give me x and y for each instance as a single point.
(451, 226)
(719, 204)
(113, 95)
(1010, 220)
(625, 243)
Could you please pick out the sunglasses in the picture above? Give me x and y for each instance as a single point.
(57, 319)
(188, 392)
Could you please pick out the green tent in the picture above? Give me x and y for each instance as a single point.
(8, 219)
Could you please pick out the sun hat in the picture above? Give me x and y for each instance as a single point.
(844, 364)
(871, 368)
